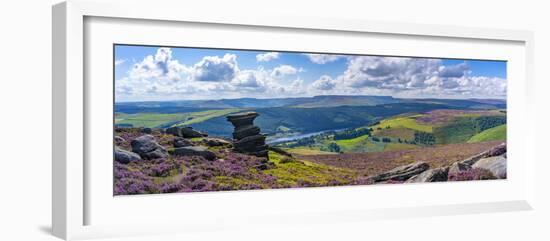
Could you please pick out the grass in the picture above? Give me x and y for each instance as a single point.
(461, 130)
(360, 144)
(165, 120)
(401, 133)
(197, 117)
(301, 172)
(492, 134)
(403, 122)
(353, 143)
(399, 146)
(376, 162)
(307, 151)
(149, 119)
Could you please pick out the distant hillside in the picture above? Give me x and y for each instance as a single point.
(492, 134)
(167, 107)
(305, 120)
(345, 100)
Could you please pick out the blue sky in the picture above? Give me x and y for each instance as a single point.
(144, 73)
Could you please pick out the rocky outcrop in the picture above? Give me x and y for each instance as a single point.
(125, 157)
(431, 175)
(185, 132)
(495, 151)
(216, 142)
(458, 167)
(148, 148)
(194, 151)
(496, 165)
(188, 132)
(146, 130)
(247, 137)
(490, 164)
(119, 140)
(181, 142)
(402, 173)
(174, 130)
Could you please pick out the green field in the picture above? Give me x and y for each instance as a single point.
(492, 134)
(148, 119)
(166, 120)
(403, 122)
(462, 129)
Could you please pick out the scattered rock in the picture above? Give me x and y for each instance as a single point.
(174, 130)
(458, 167)
(402, 173)
(264, 165)
(216, 142)
(495, 164)
(247, 137)
(186, 132)
(181, 142)
(279, 151)
(148, 148)
(195, 151)
(146, 130)
(119, 140)
(495, 151)
(431, 175)
(125, 157)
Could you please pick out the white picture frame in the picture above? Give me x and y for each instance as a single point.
(72, 191)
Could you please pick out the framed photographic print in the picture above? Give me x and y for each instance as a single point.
(261, 121)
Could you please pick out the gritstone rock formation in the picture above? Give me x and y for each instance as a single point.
(247, 137)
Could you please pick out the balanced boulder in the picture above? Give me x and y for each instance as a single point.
(124, 157)
(148, 148)
(247, 137)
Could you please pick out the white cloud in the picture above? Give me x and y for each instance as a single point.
(119, 62)
(283, 70)
(248, 79)
(214, 68)
(410, 76)
(267, 56)
(161, 77)
(323, 58)
(324, 83)
(159, 66)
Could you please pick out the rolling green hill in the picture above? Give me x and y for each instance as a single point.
(492, 134)
(166, 120)
(408, 122)
(463, 128)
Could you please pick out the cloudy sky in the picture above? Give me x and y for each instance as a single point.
(156, 73)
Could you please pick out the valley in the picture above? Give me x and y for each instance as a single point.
(316, 141)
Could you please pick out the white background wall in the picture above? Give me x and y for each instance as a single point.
(25, 110)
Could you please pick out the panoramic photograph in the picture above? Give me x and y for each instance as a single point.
(203, 119)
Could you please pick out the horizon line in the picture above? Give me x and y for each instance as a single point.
(471, 98)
